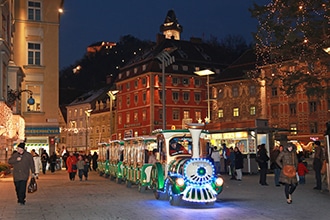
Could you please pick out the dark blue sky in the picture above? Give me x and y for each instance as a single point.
(87, 21)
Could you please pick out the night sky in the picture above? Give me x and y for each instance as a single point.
(88, 21)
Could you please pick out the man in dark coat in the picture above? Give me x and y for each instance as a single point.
(22, 162)
(317, 164)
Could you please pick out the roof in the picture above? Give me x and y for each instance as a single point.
(91, 97)
(186, 53)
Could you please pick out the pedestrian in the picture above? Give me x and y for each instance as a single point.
(94, 159)
(81, 167)
(226, 156)
(262, 159)
(22, 163)
(152, 158)
(216, 160)
(44, 161)
(37, 162)
(288, 157)
(302, 171)
(52, 161)
(71, 163)
(274, 166)
(89, 157)
(317, 164)
(232, 163)
(238, 163)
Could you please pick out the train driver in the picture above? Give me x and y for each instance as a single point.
(176, 148)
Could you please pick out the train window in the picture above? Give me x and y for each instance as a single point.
(179, 146)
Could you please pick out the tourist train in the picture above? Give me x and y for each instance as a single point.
(181, 173)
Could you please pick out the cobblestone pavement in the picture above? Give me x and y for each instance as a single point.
(100, 198)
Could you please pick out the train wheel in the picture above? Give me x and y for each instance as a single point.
(141, 188)
(128, 184)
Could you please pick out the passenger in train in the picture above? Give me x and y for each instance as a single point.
(152, 157)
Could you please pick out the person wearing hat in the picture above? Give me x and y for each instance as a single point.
(22, 162)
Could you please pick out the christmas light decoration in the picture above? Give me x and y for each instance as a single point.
(291, 40)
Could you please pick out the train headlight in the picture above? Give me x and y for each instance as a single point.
(179, 182)
(219, 181)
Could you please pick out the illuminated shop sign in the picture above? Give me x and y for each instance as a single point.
(42, 130)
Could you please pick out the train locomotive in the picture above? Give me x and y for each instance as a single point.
(181, 173)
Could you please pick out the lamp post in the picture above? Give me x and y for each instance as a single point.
(88, 114)
(166, 59)
(12, 95)
(112, 95)
(206, 73)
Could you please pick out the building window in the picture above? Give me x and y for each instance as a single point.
(136, 118)
(274, 91)
(34, 54)
(37, 106)
(220, 113)
(34, 11)
(175, 96)
(144, 81)
(235, 112)
(252, 110)
(136, 82)
(128, 86)
(313, 127)
(176, 115)
(175, 81)
(185, 81)
(136, 99)
(127, 118)
(312, 107)
(293, 128)
(293, 108)
(274, 111)
(186, 114)
(160, 115)
(186, 96)
(235, 91)
(120, 102)
(144, 115)
(144, 97)
(128, 100)
(198, 115)
(197, 82)
(197, 97)
(252, 90)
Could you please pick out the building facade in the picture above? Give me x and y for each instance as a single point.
(36, 51)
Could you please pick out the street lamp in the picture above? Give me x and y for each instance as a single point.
(166, 59)
(12, 95)
(112, 95)
(206, 73)
(88, 114)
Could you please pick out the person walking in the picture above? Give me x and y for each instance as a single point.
(52, 161)
(37, 162)
(44, 161)
(232, 163)
(81, 167)
(288, 157)
(276, 168)
(94, 159)
(317, 164)
(22, 162)
(226, 156)
(71, 163)
(238, 163)
(216, 160)
(262, 159)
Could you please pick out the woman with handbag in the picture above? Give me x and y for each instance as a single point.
(288, 162)
(71, 163)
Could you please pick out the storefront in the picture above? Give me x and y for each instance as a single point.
(246, 140)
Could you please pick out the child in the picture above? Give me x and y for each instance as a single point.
(86, 168)
(302, 170)
(80, 167)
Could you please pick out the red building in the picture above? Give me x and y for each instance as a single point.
(139, 100)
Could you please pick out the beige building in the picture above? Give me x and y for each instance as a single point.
(36, 51)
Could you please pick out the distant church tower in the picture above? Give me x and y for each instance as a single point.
(171, 27)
